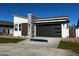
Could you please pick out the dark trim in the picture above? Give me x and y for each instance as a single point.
(39, 40)
(50, 23)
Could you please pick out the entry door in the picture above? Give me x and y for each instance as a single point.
(48, 30)
(24, 30)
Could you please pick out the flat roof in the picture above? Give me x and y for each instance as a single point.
(54, 18)
(25, 17)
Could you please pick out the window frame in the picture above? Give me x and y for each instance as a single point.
(20, 27)
(16, 27)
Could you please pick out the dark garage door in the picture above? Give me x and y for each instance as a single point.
(48, 30)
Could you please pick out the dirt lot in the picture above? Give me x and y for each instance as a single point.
(15, 49)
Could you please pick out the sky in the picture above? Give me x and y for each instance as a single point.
(41, 10)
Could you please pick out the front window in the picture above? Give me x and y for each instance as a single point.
(19, 27)
(16, 27)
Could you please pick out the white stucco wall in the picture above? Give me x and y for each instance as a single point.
(77, 32)
(19, 20)
(65, 30)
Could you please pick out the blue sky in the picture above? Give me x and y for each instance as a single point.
(40, 10)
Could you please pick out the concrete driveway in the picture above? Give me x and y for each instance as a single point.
(52, 42)
(32, 50)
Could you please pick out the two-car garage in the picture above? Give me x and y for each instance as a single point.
(48, 30)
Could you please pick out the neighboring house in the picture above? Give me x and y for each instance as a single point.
(31, 26)
(6, 28)
(72, 32)
(77, 30)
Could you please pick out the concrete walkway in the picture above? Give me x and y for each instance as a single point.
(32, 50)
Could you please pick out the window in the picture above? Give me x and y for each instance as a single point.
(29, 24)
(63, 24)
(19, 27)
(16, 27)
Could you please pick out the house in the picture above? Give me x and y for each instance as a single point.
(6, 28)
(72, 31)
(32, 26)
(77, 30)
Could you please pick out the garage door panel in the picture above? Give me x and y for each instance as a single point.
(48, 30)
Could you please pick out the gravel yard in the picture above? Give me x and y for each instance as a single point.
(16, 49)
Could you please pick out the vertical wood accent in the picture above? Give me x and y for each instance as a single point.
(24, 30)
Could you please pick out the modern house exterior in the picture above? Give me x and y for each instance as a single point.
(32, 26)
(6, 28)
